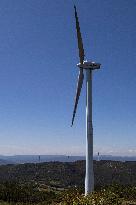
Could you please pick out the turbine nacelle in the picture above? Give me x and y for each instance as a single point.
(89, 65)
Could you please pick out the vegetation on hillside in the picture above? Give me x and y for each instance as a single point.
(111, 195)
(30, 194)
(70, 174)
(57, 183)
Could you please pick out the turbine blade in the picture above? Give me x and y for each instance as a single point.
(79, 38)
(78, 91)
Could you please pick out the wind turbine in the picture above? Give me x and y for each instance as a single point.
(87, 67)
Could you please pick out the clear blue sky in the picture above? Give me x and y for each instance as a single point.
(38, 74)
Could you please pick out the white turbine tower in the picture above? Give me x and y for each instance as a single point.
(86, 66)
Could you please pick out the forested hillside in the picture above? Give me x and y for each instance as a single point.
(63, 183)
(70, 174)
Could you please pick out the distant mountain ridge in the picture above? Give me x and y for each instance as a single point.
(2, 161)
(19, 159)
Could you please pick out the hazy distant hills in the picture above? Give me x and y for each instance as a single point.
(2, 162)
(19, 159)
